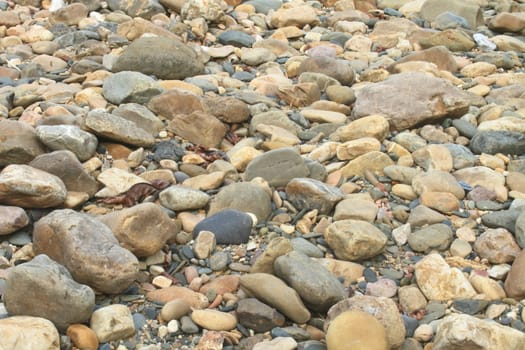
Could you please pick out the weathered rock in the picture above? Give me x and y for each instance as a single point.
(356, 327)
(12, 219)
(438, 281)
(515, 281)
(439, 55)
(181, 198)
(278, 167)
(142, 229)
(66, 166)
(68, 137)
(340, 70)
(469, 10)
(355, 207)
(432, 100)
(373, 161)
(28, 187)
(258, 316)
(455, 331)
(436, 236)
(166, 58)
(498, 141)
(246, 197)
(112, 322)
(437, 181)
(287, 301)
(210, 10)
(453, 39)
(318, 288)
(277, 247)
(19, 143)
(312, 194)
(38, 333)
(295, 16)
(227, 109)
(87, 248)
(127, 86)
(498, 246)
(354, 239)
(56, 297)
(141, 116)
(199, 128)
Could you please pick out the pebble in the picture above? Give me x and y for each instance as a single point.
(112, 322)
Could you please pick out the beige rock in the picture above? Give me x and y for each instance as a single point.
(316, 115)
(508, 43)
(373, 161)
(355, 148)
(295, 16)
(490, 288)
(437, 181)
(348, 270)
(174, 310)
(438, 281)
(455, 331)
(498, 246)
(324, 152)
(214, 320)
(198, 127)
(12, 219)
(504, 123)
(353, 207)
(206, 182)
(375, 126)
(241, 157)
(356, 330)
(508, 22)
(117, 181)
(441, 201)
(112, 322)
(434, 157)
(478, 69)
(278, 134)
(165, 295)
(204, 244)
(25, 332)
(83, 337)
(411, 298)
(19, 143)
(277, 247)
(28, 187)
(515, 281)
(485, 177)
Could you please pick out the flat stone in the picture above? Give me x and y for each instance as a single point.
(112, 322)
(181, 198)
(439, 55)
(59, 299)
(498, 141)
(317, 287)
(340, 70)
(373, 161)
(258, 316)
(227, 109)
(356, 208)
(89, 242)
(437, 181)
(214, 320)
(375, 126)
(166, 295)
(12, 219)
(28, 187)
(287, 301)
(312, 194)
(355, 239)
(435, 236)
(40, 334)
(199, 128)
(230, 226)
(142, 229)
(296, 16)
(452, 39)
(177, 60)
(68, 137)
(141, 116)
(355, 148)
(470, 11)
(117, 181)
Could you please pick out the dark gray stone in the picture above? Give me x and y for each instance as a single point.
(304, 246)
(495, 141)
(230, 226)
(470, 306)
(258, 316)
(504, 218)
(437, 236)
(236, 38)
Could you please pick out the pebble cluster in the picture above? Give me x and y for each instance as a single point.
(262, 174)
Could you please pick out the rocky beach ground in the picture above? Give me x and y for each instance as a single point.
(226, 174)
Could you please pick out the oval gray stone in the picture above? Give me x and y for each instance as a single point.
(311, 194)
(127, 86)
(437, 236)
(181, 198)
(68, 137)
(278, 167)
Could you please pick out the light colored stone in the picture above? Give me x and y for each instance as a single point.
(35, 333)
(214, 320)
(356, 329)
(112, 322)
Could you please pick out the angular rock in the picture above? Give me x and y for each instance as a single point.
(19, 143)
(127, 86)
(28, 187)
(455, 331)
(87, 248)
(66, 166)
(166, 58)
(313, 194)
(354, 239)
(453, 39)
(142, 229)
(199, 128)
(118, 129)
(174, 102)
(432, 100)
(230, 226)
(68, 137)
(38, 333)
(227, 109)
(278, 167)
(438, 281)
(258, 316)
(243, 196)
(56, 297)
(318, 288)
(287, 301)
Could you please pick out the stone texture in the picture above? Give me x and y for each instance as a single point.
(112, 322)
(19, 143)
(87, 248)
(43, 288)
(312, 194)
(359, 328)
(180, 198)
(258, 316)
(38, 333)
(12, 219)
(68, 137)
(278, 167)
(199, 128)
(229, 226)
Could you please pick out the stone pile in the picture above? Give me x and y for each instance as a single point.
(262, 174)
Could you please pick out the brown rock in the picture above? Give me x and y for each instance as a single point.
(222, 285)
(19, 143)
(299, 95)
(165, 295)
(498, 246)
(373, 161)
(508, 22)
(143, 229)
(87, 248)
(174, 102)
(375, 126)
(340, 70)
(277, 247)
(439, 55)
(12, 219)
(70, 14)
(227, 109)
(441, 201)
(199, 128)
(356, 327)
(83, 337)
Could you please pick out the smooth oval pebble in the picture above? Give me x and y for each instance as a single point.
(174, 310)
(83, 337)
(214, 320)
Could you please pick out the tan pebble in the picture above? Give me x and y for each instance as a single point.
(423, 333)
(161, 282)
(174, 310)
(214, 320)
(83, 337)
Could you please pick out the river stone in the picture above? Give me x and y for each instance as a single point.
(210, 10)
(166, 58)
(166, 295)
(68, 137)
(456, 332)
(287, 301)
(214, 320)
(258, 316)
(295, 16)
(423, 215)
(383, 309)
(498, 246)
(374, 161)
(144, 8)
(356, 327)
(230, 226)
(227, 109)
(502, 219)
(118, 129)
(174, 102)
(421, 99)
(19, 143)
(12, 219)
(462, 157)
(127, 86)
(87, 248)
(141, 116)
(313, 194)
(28, 187)
(243, 196)
(274, 117)
(468, 10)
(519, 231)
(453, 39)
(355, 239)
(198, 127)
(439, 55)
(112, 322)
(318, 288)
(436, 236)
(142, 229)
(340, 70)
(179, 198)
(355, 207)
(277, 247)
(498, 141)
(43, 288)
(278, 167)
(484, 177)
(236, 38)
(68, 168)
(438, 281)
(437, 181)
(37, 333)
(304, 246)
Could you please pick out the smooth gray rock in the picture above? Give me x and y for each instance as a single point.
(44, 288)
(181, 198)
(243, 196)
(278, 167)
(68, 137)
(495, 141)
(436, 236)
(129, 86)
(313, 194)
(141, 116)
(318, 288)
(230, 226)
